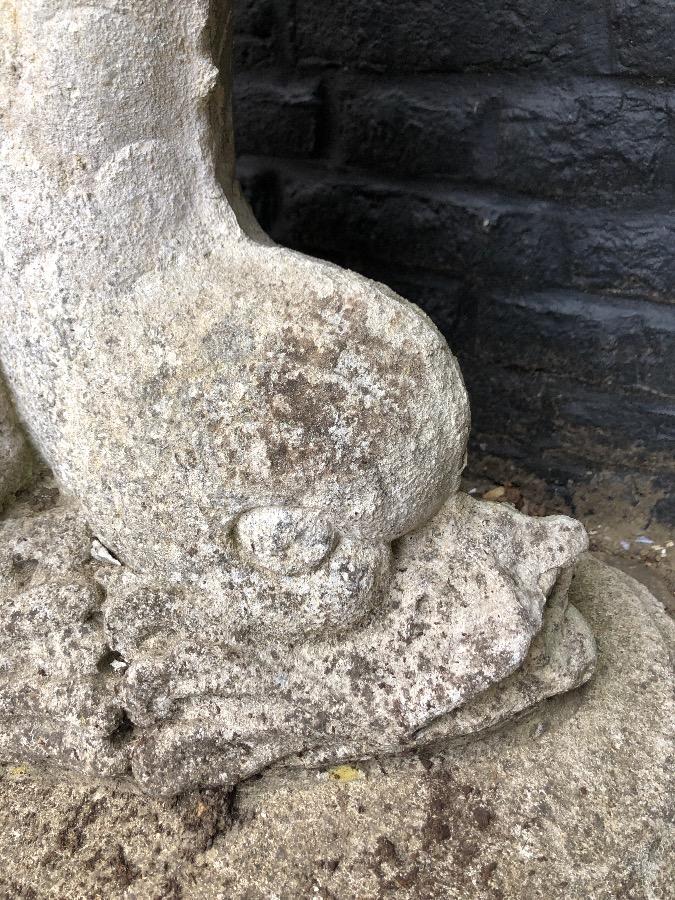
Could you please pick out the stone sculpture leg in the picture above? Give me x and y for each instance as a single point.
(265, 449)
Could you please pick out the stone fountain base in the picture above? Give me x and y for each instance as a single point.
(107, 674)
(572, 801)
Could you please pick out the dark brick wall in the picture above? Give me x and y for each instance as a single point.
(509, 165)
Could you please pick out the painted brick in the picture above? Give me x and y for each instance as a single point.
(643, 32)
(276, 118)
(462, 234)
(585, 137)
(437, 35)
(258, 34)
(607, 342)
(623, 252)
(561, 428)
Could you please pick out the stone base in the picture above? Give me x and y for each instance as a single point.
(114, 674)
(570, 802)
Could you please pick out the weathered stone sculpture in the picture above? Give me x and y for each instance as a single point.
(260, 451)
(15, 459)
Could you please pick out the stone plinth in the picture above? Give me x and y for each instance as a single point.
(112, 677)
(571, 802)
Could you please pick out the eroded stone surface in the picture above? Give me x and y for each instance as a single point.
(263, 554)
(113, 675)
(15, 456)
(176, 370)
(573, 802)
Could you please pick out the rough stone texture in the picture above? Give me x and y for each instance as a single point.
(262, 449)
(468, 151)
(572, 802)
(107, 674)
(175, 369)
(15, 455)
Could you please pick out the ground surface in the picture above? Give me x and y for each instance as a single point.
(571, 802)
